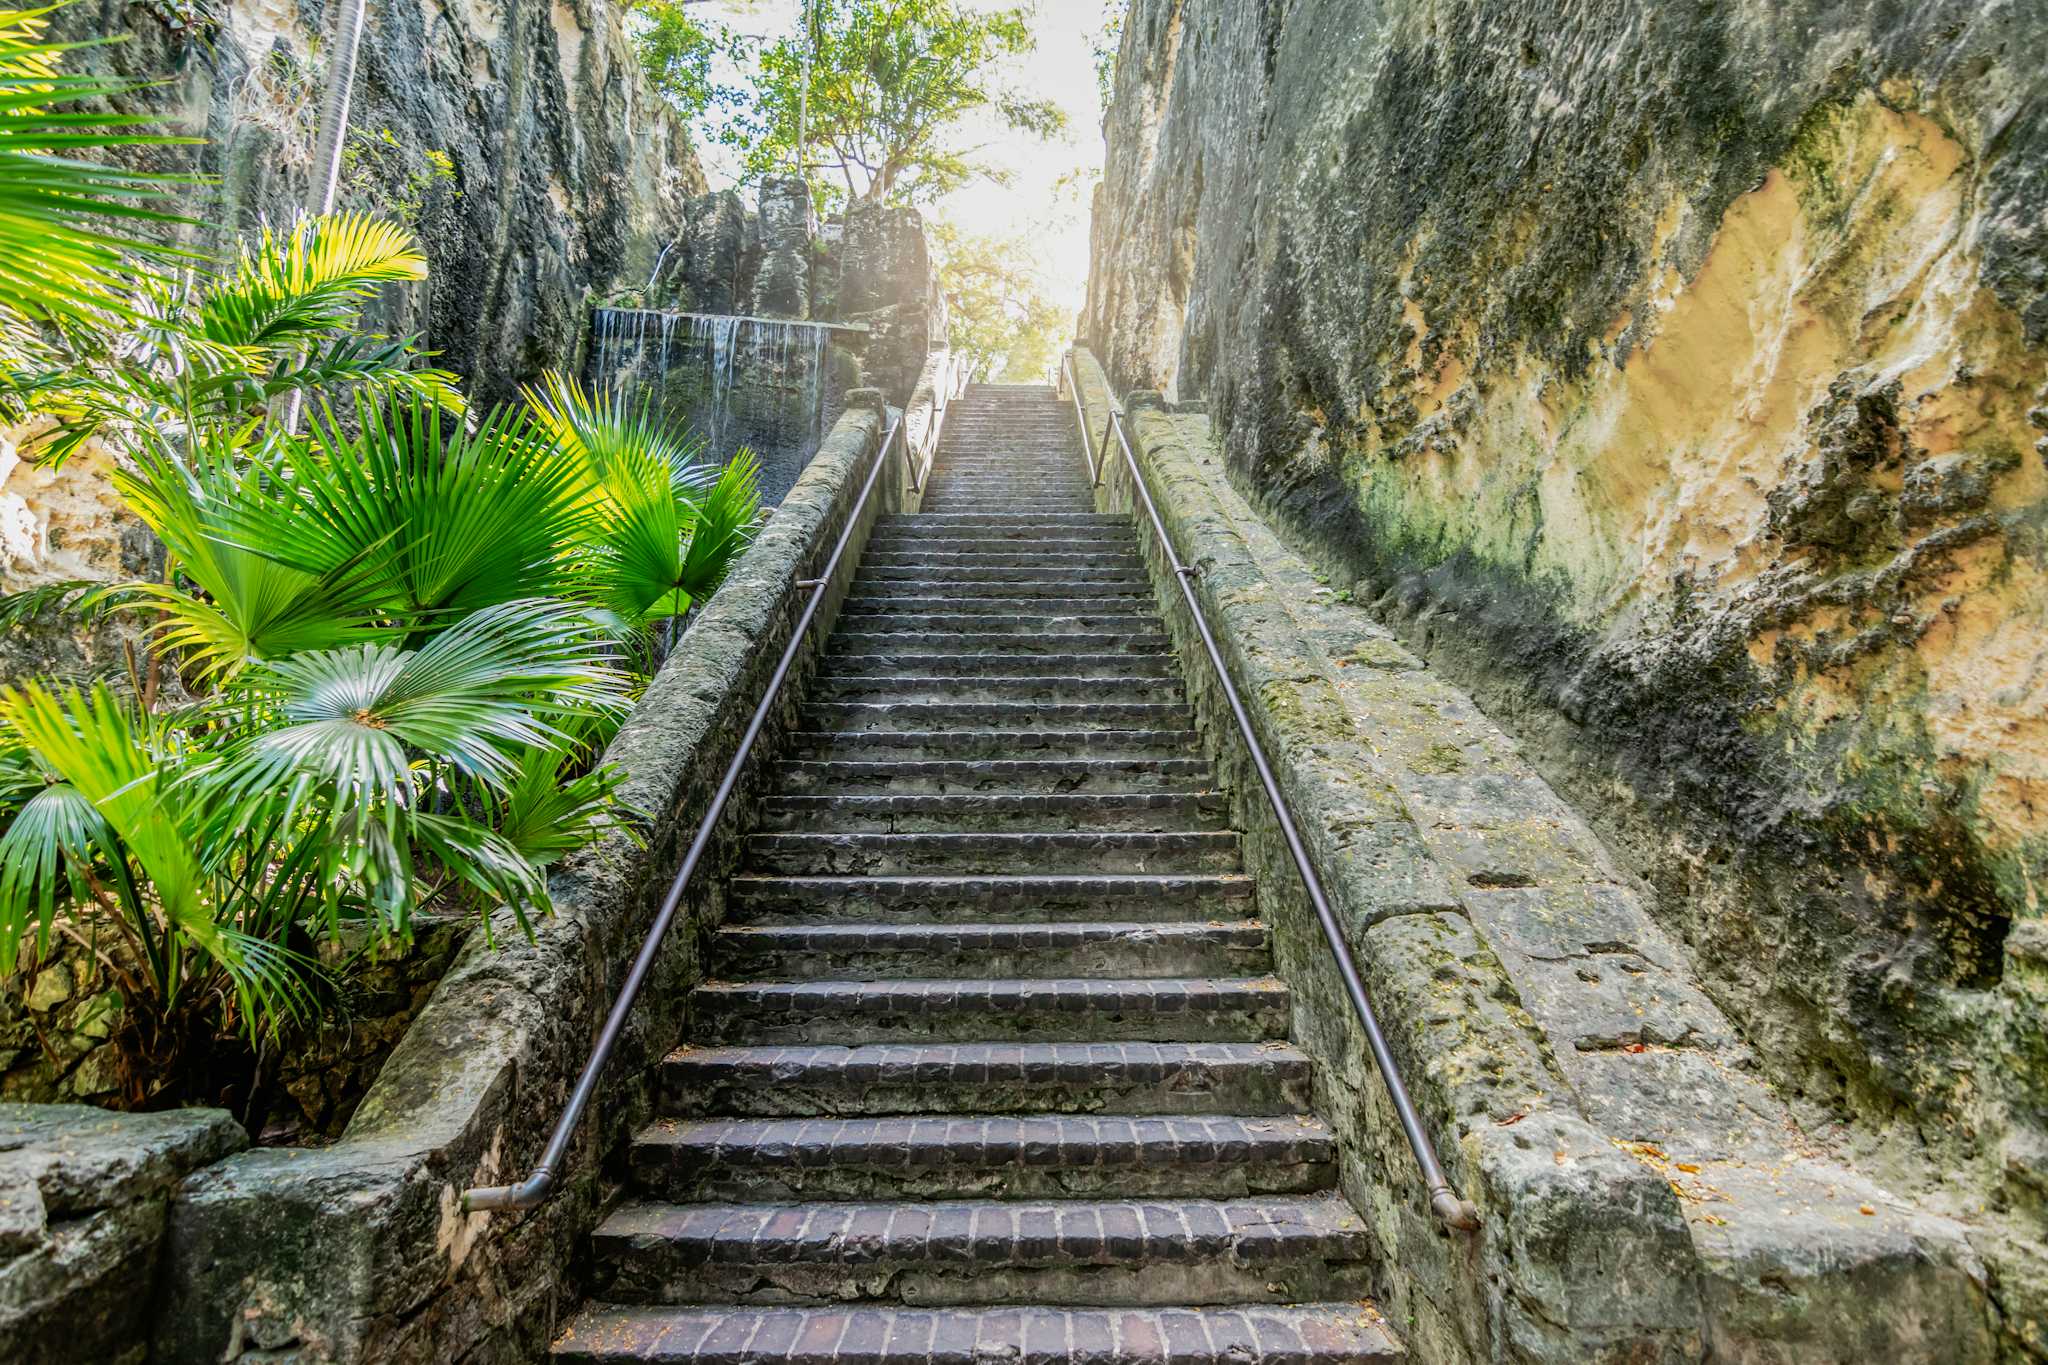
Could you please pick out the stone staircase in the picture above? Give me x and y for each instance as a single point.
(991, 1066)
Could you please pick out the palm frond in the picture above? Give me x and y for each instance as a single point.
(62, 256)
(648, 494)
(291, 287)
(256, 605)
(357, 724)
(452, 518)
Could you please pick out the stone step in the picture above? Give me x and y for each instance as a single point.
(869, 618)
(957, 686)
(757, 899)
(924, 716)
(962, 854)
(1003, 581)
(1014, 1156)
(944, 776)
(975, 522)
(1304, 1334)
(871, 642)
(891, 599)
(988, 1078)
(1006, 812)
(963, 504)
(975, 1251)
(993, 1009)
(1081, 594)
(1001, 562)
(977, 745)
(1021, 540)
(991, 665)
(884, 952)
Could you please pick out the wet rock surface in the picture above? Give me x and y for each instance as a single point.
(1669, 377)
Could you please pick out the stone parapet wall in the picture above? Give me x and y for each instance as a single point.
(1646, 1194)
(359, 1251)
(84, 1195)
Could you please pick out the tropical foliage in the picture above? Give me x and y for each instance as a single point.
(1001, 314)
(882, 105)
(388, 646)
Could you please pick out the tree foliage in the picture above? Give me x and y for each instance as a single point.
(893, 86)
(1000, 315)
(677, 53)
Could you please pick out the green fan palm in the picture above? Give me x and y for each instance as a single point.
(116, 835)
(453, 518)
(206, 358)
(74, 233)
(665, 528)
(252, 603)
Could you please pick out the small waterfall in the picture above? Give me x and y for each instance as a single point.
(729, 381)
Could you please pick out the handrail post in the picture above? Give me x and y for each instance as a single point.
(1445, 1203)
(534, 1190)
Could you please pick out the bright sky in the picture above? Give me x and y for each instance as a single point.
(1036, 203)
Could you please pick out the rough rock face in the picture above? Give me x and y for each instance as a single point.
(886, 279)
(782, 285)
(519, 141)
(1672, 376)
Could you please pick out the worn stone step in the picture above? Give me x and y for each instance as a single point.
(943, 776)
(998, 1009)
(1011, 1156)
(958, 687)
(988, 1078)
(881, 952)
(868, 618)
(759, 899)
(1304, 1334)
(974, 522)
(1001, 562)
(1275, 1249)
(958, 595)
(960, 501)
(855, 641)
(1065, 851)
(963, 504)
(1007, 812)
(1129, 608)
(992, 665)
(1016, 580)
(924, 716)
(975, 745)
(1013, 540)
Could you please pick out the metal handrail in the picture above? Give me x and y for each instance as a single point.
(534, 1190)
(1081, 421)
(1451, 1210)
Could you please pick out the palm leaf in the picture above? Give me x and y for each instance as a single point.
(453, 519)
(256, 605)
(472, 697)
(61, 257)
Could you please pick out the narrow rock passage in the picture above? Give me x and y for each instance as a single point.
(992, 1066)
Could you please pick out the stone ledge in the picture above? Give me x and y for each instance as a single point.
(1646, 1196)
(83, 1194)
(359, 1251)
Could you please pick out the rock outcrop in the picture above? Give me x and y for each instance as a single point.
(1672, 377)
(521, 144)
